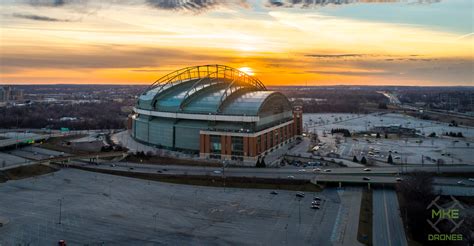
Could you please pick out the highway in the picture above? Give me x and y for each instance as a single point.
(21, 138)
(346, 175)
(387, 224)
(354, 179)
(307, 171)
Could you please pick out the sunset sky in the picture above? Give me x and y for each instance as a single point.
(360, 42)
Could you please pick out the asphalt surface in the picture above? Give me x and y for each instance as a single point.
(114, 210)
(353, 175)
(387, 225)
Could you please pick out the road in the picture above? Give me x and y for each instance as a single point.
(355, 179)
(21, 138)
(387, 224)
(307, 171)
(351, 175)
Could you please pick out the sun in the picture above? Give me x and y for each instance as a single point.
(247, 70)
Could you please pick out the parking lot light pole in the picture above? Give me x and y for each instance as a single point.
(60, 208)
(223, 171)
(155, 216)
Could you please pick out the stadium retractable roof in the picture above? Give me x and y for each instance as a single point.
(207, 89)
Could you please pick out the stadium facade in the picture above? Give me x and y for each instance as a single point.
(216, 111)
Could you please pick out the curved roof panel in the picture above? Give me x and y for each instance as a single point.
(209, 89)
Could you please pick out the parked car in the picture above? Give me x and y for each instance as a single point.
(367, 169)
(315, 207)
(274, 193)
(299, 194)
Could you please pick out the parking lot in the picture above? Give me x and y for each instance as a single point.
(412, 150)
(98, 208)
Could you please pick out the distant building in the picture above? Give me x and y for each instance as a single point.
(8, 93)
(394, 129)
(216, 111)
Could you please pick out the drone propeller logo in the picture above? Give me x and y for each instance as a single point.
(450, 213)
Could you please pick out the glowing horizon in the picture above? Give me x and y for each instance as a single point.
(128, 42)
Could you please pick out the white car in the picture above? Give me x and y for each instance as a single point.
(217, 172)
(291, 177)
(460, 182)
(471, 179)
(302, 170)
(317, 170)
(367, 169)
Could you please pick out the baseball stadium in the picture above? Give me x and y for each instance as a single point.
(216, 111)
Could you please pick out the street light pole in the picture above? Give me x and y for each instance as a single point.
(223, 171)
(155, 216)
(60, 208)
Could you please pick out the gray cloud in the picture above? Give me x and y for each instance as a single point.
(206, 5)
(350, 73)
(320, 3)
(101, 57)
(192, 5)
(54, 3)
(180, 5)
(39, 18)
(335, 55)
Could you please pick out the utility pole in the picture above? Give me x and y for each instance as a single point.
(299, 213)
(60, 208)
(155, 216)
(223, 171)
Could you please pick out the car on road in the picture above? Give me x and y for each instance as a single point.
(460, 182)
(327, 170)
(300, 194)
(471, 179)
(130, 168)
(113, 165)
(274, 193)
(159, 171)
(366, 178)
(302, 170)
(398, 179)
(367, 169)
(316, 203)
(315, 207)
(396, 157)
(317, 198)
(317, 170)
(217, 172)
(291, 177)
